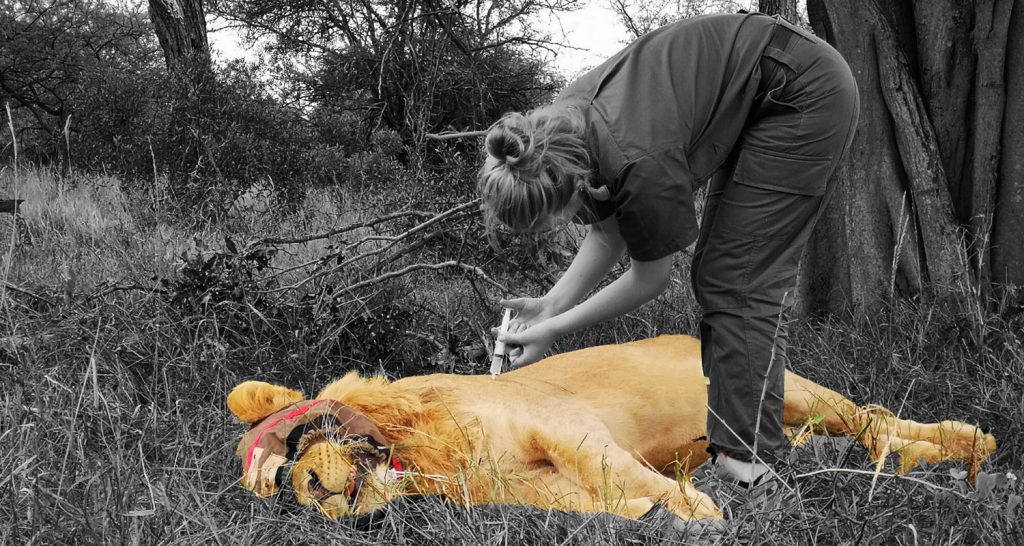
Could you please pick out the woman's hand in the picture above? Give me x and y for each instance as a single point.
(528, 343)
(528, 313)
(640, 284)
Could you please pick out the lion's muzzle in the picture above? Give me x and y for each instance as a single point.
(268, 447)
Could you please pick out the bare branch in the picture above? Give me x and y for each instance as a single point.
(344, 229)
(419, 267)
(393, 240)
(450, 136)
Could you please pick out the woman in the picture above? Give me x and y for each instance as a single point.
(762, 108)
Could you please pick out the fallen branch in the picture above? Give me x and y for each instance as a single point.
(125, 288)
(449, 136)
(19, 290)
(419, 267)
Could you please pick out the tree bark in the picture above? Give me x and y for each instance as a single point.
(992, 19)
(942, 98)
(946, 74)
(865, 247)
(1008, 228)
(180, 27)
(942, 256)
(785, 8)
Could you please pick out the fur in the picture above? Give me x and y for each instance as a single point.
(616, 428)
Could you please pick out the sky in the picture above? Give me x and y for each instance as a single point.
(593, 32)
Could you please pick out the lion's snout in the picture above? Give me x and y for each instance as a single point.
(322, 470)
(336, 477)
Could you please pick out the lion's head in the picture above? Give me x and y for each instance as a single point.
(333, 457)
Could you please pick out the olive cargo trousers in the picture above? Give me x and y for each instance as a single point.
(760, 209)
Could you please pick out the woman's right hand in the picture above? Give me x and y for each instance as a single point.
(528, 312)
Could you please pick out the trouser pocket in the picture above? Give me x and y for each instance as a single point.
(750, 245)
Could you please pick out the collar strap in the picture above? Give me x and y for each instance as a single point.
(269, 445)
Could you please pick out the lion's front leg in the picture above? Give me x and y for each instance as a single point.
(612, 479)
(811, 408)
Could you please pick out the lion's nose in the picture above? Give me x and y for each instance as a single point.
(316, 488)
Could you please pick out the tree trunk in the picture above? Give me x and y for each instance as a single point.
(946, 73)
(992, 19)
(785, 8)
(180, 26)
(866, 229)
(1008, 229)
(943, 259)
(934, 94)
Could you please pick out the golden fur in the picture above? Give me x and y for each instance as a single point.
(613, 428)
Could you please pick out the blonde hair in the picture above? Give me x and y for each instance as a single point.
(534, 164)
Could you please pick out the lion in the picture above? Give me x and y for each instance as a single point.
(614, 428)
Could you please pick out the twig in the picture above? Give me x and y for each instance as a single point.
(767, 374)
(9, 257)
(883, 474)
(125, 288)
(350, 227)
(19, 290)
(392, 242)
(449, 136)
(418, 267)
(428, 338)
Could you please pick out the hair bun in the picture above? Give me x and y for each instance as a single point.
(506, 144)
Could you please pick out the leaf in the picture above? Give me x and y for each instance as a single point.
(231, 245)
(1011, 506)
(986, 485)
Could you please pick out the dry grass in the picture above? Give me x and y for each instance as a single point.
(113, 427)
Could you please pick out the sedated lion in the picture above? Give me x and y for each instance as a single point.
(612, 428)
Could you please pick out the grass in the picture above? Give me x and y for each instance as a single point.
(113, 427)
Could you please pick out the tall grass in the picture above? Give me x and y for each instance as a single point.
(113, 427)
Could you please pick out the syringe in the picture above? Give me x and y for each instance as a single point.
(499, 346)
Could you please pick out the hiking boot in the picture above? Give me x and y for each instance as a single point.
(768, 493)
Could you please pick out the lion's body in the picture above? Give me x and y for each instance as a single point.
(601, 429)
(649, 396)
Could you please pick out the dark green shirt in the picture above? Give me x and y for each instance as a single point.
(662, 115)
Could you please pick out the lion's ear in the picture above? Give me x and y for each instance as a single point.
(253, 400)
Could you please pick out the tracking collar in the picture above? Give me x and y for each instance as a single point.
(273, 442)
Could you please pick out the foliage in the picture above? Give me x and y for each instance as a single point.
(643, 16)
(414, 66)
(53, 52)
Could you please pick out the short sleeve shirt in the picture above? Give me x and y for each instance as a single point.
(662, 115)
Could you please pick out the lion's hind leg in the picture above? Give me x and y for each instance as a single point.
(811, 408)
(608, 475)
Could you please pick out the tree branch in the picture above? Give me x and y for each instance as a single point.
(450, 136)
(419, 267)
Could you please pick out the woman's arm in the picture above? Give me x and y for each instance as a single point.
(558, 316)
(598, 253)
(637, 286)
